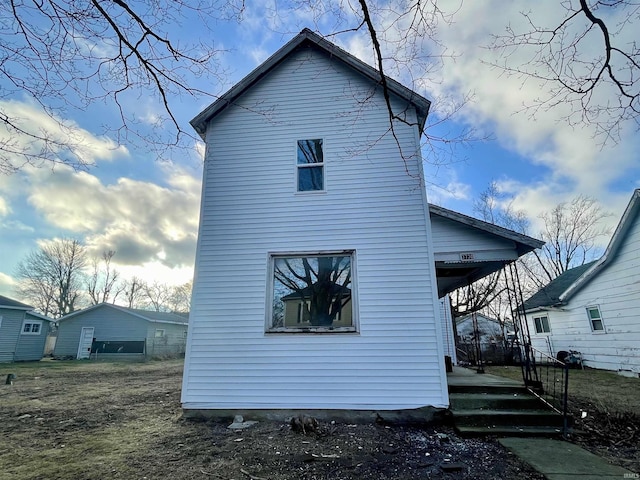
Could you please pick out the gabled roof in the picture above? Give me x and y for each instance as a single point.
(308, 38)
(524, 243)
(631, 214)
(40, 316)
(6, 302)
(148, 315)
(550, 294)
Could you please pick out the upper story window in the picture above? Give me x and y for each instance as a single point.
(542, 324)
(31, 328)
(595, 318)
(312, 293)
(310, 165)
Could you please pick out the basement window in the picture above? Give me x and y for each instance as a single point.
(595, 319)
(542, 324)
(310, 165)
(312, 293)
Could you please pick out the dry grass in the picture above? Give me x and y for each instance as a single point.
(88, 420)
(607, 391)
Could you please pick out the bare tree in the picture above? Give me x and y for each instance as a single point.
(101, 282)
(52, 277)
(489, 294)
(70, 56)
(571, 231)
(66, 55)
(133, 292)
(581, 57)
(180, 298)
(156, 296)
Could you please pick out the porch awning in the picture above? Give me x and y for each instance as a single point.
(467, 249)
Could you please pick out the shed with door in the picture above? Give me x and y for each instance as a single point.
(112, 331)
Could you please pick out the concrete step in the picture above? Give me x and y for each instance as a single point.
(506, 418)
(502, 389)
(509, 431)
(496, 401)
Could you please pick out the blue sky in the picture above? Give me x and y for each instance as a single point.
(147, 208)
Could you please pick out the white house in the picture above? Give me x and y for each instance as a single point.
(315, 282)
(594, 308)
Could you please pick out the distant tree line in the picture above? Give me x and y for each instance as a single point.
(61, 277)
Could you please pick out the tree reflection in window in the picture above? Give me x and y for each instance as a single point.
(312, 291)
(310, 162)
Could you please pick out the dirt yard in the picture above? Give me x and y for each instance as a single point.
(82, 420)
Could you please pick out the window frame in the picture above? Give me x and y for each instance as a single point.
(589, 308)
(322, 165)
(31, 323)
(542, 330)
(269, 329)
(162, 335)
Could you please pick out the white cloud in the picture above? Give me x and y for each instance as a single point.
(67, 140)
(7, 284)
(142, 221)
(4, 207)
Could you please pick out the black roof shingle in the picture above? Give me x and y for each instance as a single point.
(549, 295)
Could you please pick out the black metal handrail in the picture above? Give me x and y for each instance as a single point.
(553, 385)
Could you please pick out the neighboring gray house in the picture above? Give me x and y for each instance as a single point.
(107, 330)
(490, 331)
(594, 308)
(307, 193)
(23, 333)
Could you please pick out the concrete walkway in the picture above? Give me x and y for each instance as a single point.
(560, 460)
(555, 459)
(468, 376)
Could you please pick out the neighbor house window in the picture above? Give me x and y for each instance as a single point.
(310, 165)
(541, 324)
(159, 332)
(312, 293)
(595, 318)
(31, 328)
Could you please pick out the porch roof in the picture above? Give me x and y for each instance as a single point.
(467, 249)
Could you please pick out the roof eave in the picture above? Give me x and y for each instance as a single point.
(524, 243)
(422, 105)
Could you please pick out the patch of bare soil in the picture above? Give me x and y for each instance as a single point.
(98, 420)
(613, 436)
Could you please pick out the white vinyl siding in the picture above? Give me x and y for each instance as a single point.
(615, 291)
(373, 206)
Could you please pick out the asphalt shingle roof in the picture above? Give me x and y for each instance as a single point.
(8, 302)
(549, 295)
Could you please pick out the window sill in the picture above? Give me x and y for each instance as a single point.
(313, 330)
(311, 192)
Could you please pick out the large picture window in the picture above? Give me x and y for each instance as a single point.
(310, 165)
(312, 293)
